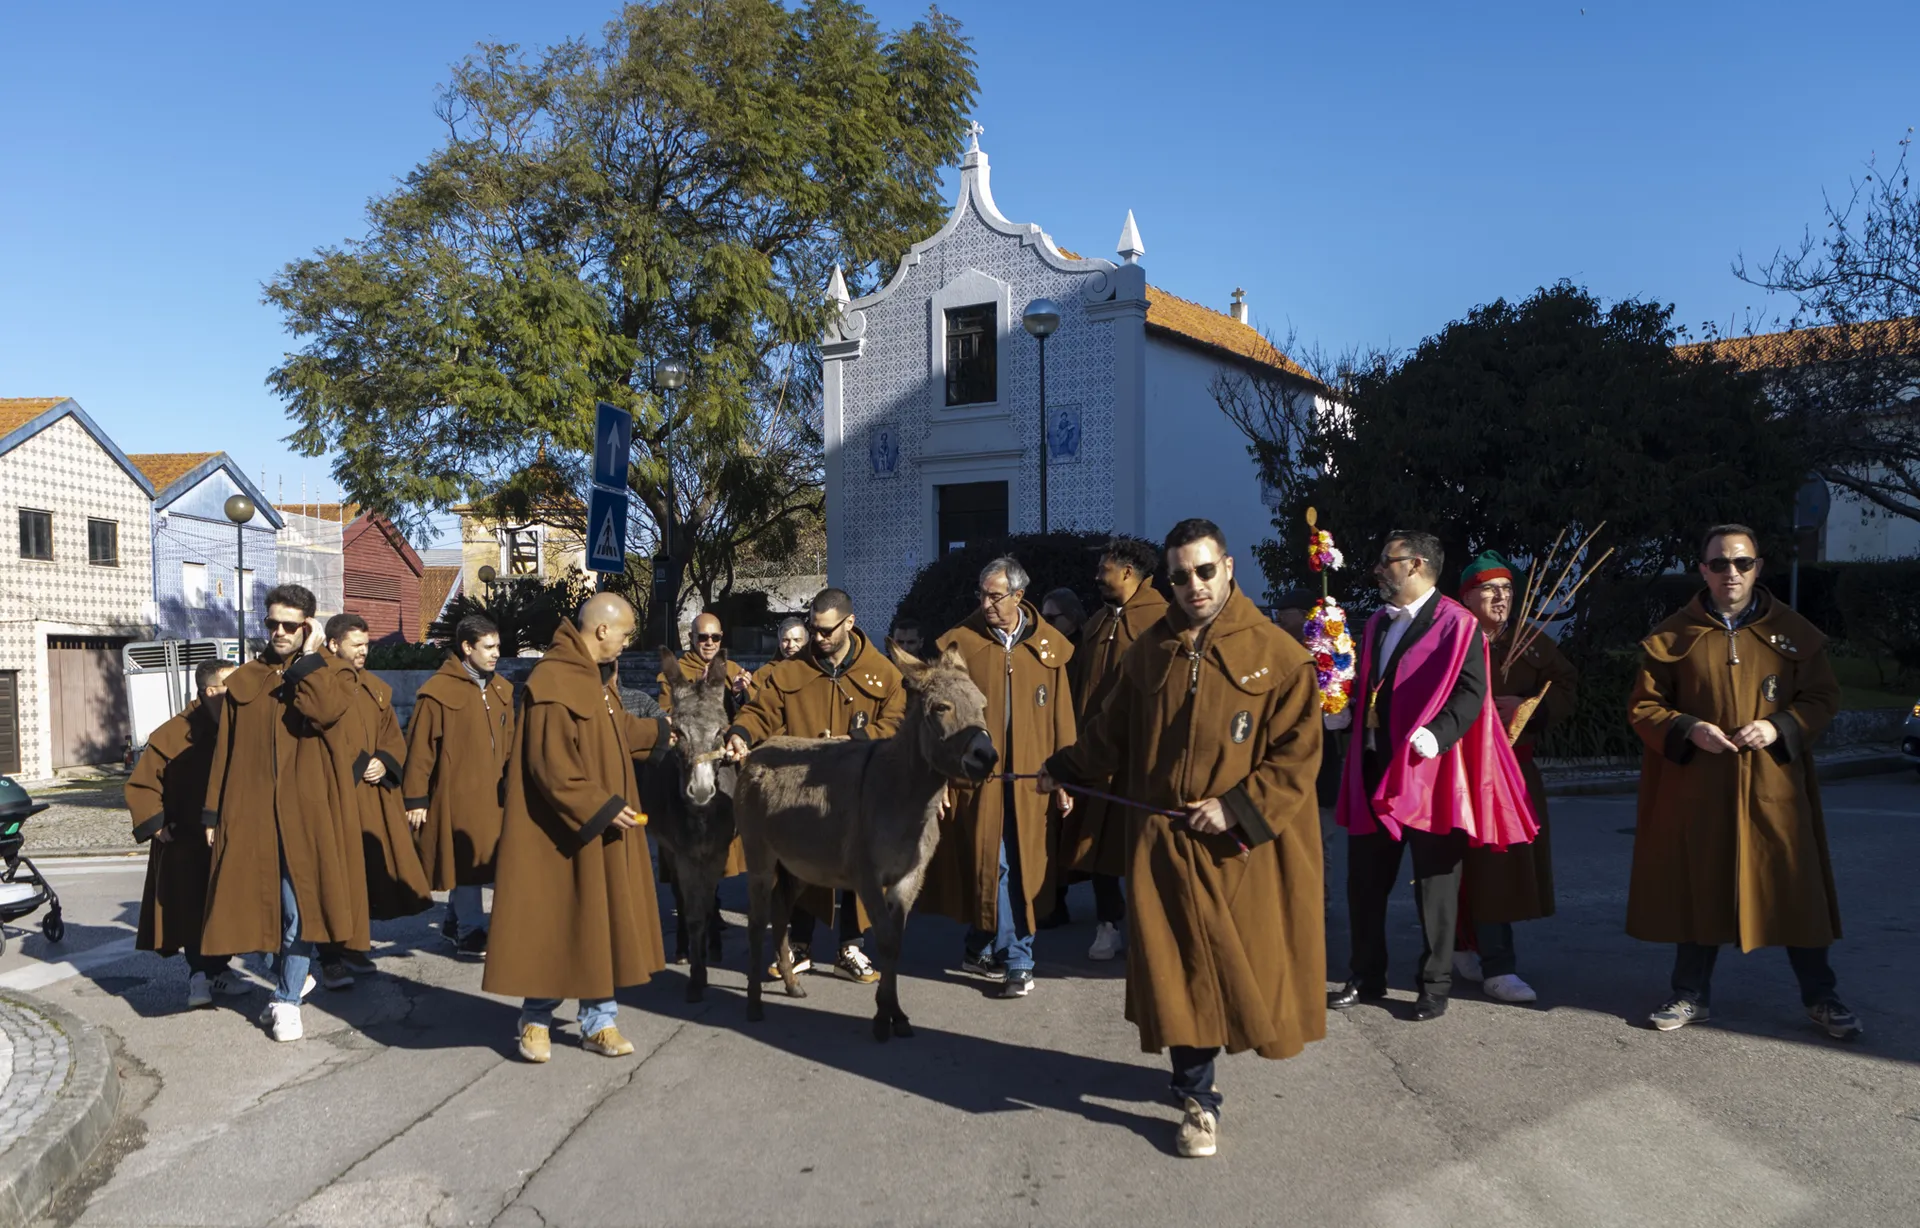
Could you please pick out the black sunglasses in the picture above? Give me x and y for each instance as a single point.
(1183, 577)
(1743, 565)
(274, 624)
(822, 633)
(707, 637)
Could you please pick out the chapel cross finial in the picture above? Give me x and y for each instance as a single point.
(973, 134)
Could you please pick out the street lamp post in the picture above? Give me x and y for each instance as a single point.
(240, 509)
(668, 377)
(1041, 318)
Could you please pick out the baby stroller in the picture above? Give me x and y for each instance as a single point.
(22, 890)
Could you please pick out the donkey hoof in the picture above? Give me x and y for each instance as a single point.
(796, 990)
(756, 1012)
(881, 1032)
(901, 1027)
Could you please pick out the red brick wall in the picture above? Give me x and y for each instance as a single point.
(382, 579)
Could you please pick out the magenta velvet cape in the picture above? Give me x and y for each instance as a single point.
(1475, 786)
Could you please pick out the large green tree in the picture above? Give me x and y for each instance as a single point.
(680, 189)
(1520, 420)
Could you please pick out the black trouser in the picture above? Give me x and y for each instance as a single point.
(1373, 864)
(1109, 899)
(800, 929)
(1193, 1075)
(1693, 972)
(1495, 940)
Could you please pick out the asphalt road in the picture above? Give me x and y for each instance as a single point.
(405, 1106)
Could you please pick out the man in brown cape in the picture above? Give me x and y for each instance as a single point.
(1216, 717)
(1097, 830)
(165, 795)
(574, 913)
(1731, 847)
(708, 640)
(1501, 886)
(991, 862)
(458, 740)
(287, 868)
(841, 687)
(367, 752)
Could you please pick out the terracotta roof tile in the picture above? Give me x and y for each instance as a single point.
(16, 412)
(1185, 318)
(163, 469)
(339, 513)
(1797, 347)
(436, 584)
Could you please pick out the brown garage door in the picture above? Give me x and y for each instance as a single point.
(9, 721)
(88, 686)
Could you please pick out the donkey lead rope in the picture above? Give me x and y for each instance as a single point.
(1084, 791)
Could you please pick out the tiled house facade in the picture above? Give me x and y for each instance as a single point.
(76, 581)
(196, 549)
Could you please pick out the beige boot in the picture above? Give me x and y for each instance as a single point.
(608, 1042)
(535, 1045)
(1199, 1132)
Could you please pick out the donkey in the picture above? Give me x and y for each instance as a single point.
(688, 797)
(859, 816)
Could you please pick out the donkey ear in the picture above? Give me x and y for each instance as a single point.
(953, 658)
(670, 665)
(902, 658)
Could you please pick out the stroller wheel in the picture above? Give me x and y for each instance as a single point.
(53, 926)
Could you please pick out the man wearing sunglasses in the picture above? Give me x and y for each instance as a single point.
(991, 862)
(841, 687)
(708, 640)
(288, 871)
(1730, 846)
(1428, 771)
(1214, 717)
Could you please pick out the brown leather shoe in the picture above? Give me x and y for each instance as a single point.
(608, 1042)
(535, 1045)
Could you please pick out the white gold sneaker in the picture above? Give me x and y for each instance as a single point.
(1107, 942)
(1199, 1133)
(1466, 965)
(282, 1020)
(1508, 988)
(229, 983)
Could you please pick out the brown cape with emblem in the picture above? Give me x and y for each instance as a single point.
(1225, 946)
(1094, 836)
(1026, 686)
(1517, 884)
(862, 697)
(396, 882)
(574, 913)
(167, 790)
(693, 667)
(458, 741)
(272, 791)
(1732, 847)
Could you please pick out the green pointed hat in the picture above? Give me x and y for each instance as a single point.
(1487, 565)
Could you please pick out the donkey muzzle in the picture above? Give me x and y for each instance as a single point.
(979, 757)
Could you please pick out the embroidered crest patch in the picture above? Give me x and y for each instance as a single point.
(859, 721)
(1770, 687)
(1242, 726)
(1040, 696)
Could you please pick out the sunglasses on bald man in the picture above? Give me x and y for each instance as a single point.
(1743, 565)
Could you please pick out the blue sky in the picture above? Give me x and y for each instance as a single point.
(1366, 172)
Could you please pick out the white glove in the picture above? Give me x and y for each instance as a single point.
(1342, 719)
(1424, 743)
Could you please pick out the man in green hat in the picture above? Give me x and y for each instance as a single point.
(1514, 884)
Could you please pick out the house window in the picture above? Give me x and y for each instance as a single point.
(103, 543)
(193, 585)
(36, 535)
(972, 378)
(520, 551)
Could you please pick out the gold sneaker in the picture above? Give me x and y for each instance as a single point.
(608, 1042)
(535, 1045)
(1199, 1132)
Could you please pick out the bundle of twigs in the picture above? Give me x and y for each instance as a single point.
(1539, 605)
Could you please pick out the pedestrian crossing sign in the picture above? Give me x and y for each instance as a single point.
(607, 531)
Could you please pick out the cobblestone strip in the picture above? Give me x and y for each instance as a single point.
(58, 1102)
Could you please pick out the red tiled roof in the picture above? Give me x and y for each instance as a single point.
(16, 412)
(1184, 318)
(163, 469)
(1799, 346)
(436, 585)
(339, 513)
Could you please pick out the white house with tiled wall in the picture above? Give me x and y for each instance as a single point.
(76, 583)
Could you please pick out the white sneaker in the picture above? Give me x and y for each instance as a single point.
(1508, 988)
(308, 987)
(230, 984)
(282, 1020)
(1107, 942)
(199, 993)
(1466, 966)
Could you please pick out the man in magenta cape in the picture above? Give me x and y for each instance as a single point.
(1428, 768)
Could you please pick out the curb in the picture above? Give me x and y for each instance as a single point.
(53, 1150)
(1629, 782)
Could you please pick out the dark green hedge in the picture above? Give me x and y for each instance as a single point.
(405, 656)
(943, 592)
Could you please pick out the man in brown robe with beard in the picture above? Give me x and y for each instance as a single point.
(458, 740)
(1216, 718)
(574, 912)
(287, 867)
(165, 796)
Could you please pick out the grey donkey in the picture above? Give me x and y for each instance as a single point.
(688, 797)
(859, 816)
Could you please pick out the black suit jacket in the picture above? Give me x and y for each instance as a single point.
(1461, 709)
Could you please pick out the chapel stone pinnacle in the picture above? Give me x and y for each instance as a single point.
(973, 131)
(1131, 248)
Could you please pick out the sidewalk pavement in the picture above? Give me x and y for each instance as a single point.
(58, 1096)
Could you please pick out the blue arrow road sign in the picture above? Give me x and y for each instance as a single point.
(612, 439)
(607, 530)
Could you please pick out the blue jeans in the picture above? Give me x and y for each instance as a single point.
(1193, 1075)
(594, 1015)
(1013, 942)
(465, 911)
(290, 969)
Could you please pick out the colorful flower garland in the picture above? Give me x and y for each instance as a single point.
(1326, 630)
(1321, 553)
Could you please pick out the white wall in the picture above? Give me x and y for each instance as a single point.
(1197, 459)
(1856, 530)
